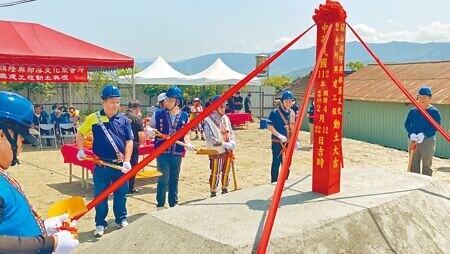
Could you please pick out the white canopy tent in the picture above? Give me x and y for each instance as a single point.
(159, 72)
(219, 73)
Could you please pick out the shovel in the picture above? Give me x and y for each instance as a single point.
(199, 151)
(412, 148)
(75, 206)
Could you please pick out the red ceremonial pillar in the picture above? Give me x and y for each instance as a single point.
(328, 99)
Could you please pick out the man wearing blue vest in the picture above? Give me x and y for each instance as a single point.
(281, 124)
(168, 121)
(113, 143)
(21, 229)
(422, 133)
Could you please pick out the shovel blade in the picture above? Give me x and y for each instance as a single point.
(148, 174)
(74, 206)
(206, 151)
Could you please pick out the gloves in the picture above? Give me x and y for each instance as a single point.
(151, 132)
(227, 145)
(65, 242)
(126, 167)
(233, 144)
(81, 155)
(52, 224)
(297, 145)
(420, 137)
(189, 147)
(413, 137)
(282, 138)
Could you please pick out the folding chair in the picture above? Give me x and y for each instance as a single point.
(47, 131)
(67, 130)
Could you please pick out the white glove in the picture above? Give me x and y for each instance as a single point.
(52, 224)
(65, 242)
(227, 145)
(151, 132)
(282, 138)
(420, 137)
(233, 144)
(413, 137)
(126, 167)
(81, 155)
(297, 145)
(189, 147)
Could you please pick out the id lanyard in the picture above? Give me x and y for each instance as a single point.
(120, 156)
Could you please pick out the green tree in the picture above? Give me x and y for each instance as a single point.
(279, 82)
(354, 66)
(41, 91)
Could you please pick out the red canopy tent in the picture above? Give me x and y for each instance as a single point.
(28, 50)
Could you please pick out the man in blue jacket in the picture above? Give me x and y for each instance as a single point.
(422, 133)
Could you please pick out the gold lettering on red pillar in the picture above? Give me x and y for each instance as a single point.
(328, 99)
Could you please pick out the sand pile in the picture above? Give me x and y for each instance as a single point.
(377, 211)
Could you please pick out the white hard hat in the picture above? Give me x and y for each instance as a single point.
(161, 97)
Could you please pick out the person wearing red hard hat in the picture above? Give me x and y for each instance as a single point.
(421, 133)
(21, 228)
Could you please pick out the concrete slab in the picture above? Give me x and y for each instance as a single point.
(377, 211)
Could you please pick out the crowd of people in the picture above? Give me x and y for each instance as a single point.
(116, 138)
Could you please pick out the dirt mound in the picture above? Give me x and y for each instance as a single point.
(403, 213)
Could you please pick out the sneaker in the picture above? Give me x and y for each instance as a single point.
(160, 208)
(99, 231)
(124, 223)
(213, 194)
(224, 191)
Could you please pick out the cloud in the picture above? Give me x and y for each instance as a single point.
(242, 43)
(434, 32)
(280, 42)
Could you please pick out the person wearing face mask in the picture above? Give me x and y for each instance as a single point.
(281, 125)
(422, 135)
(21, 228)
(219, 137)
(112, 143)
(168, 121)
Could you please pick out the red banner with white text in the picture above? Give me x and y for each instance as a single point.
(53, 74)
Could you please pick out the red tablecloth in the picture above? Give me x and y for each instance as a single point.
(69, 152)
(239, 118)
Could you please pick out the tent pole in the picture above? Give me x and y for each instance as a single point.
(70, 93)
(132, 83)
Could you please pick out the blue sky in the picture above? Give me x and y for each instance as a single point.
(181, 29)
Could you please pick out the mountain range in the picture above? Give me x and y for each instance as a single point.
(298, 62)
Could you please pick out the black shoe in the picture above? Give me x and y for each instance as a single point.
(224, 191)
(135, 191)
(213, 194)
(203, 138)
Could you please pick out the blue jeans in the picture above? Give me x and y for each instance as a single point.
(169, 165)
(103, 177)
(277, 159)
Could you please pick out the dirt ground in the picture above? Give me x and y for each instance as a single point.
(44, 176)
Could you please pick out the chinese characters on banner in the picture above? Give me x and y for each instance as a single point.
(24, 73)
(328, 108)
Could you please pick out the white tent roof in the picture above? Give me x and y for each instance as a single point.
(220, 74)
(159, 72)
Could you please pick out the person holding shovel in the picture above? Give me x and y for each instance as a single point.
(421, 133)
(167, 121)
(281, 124)
(220, 137)
(113, 144)
(21, 228)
